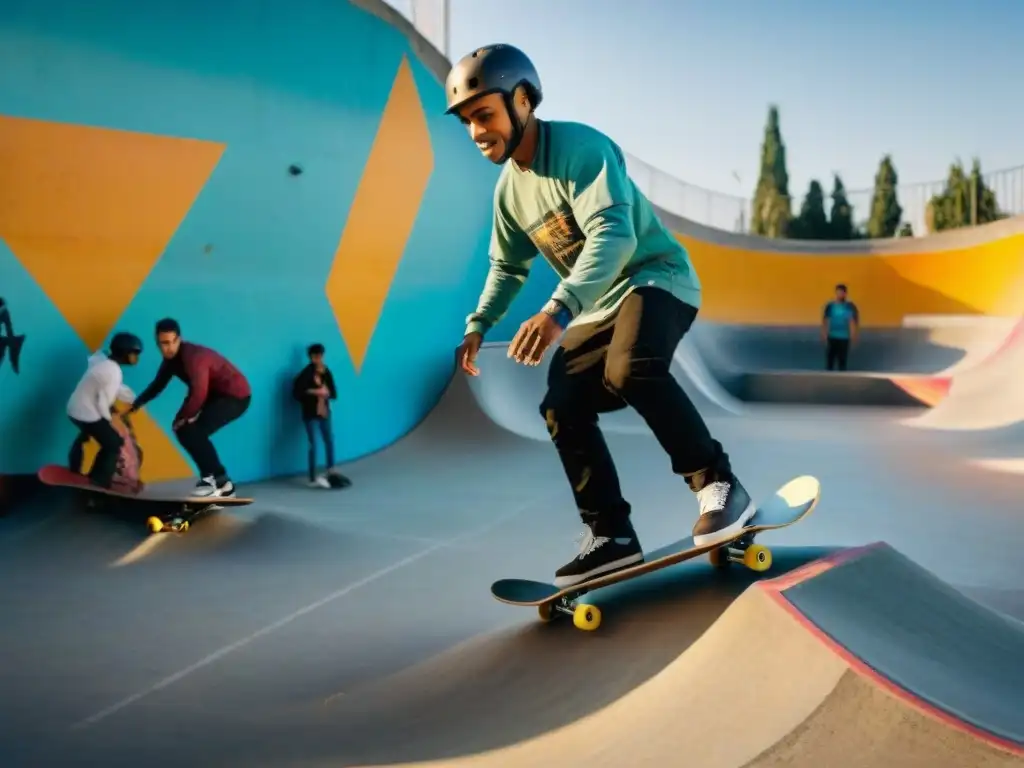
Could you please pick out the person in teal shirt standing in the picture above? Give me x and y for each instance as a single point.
(628, 294)
(839, 329)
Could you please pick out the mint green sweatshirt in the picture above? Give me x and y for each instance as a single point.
(577, 206)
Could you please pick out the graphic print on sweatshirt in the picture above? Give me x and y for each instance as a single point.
(558, 237)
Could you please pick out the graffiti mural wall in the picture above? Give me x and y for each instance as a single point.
(270, 178)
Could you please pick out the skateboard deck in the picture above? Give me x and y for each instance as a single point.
(788, 505)
(189, 507)
(338, 480)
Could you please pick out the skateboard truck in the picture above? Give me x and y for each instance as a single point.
(742, 551)
(585, 617)
(180, 523)
(175, 524)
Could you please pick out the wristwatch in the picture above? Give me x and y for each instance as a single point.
(558, 311)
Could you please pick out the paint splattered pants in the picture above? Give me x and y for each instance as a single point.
(623, 361)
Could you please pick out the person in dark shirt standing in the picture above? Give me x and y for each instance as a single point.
(218, 394)
(839, 324)
(314, 389)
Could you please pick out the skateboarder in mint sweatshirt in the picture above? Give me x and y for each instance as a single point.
(628, 294)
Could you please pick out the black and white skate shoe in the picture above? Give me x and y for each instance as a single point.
(225, 490)
(209, 486)
(600, 555)
(206, 486)
(725, 506)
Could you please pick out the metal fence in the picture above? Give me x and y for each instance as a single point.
(732, 212)
(430, 18)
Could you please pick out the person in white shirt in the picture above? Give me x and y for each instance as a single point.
(91, 405)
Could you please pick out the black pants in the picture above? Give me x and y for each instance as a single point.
(836, 352)
(625, 360)
(324, 426)
(110, 442)
(218, 412)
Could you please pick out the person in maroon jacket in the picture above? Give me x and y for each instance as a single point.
(218, 394)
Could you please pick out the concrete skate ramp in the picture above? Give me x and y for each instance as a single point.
(522, 685)
(755, 281)
(913, 366)
(943, 651)
(922, 345)
(923, 318)
(858, 659)
(510, 394)
(838, 388)
(986, 396)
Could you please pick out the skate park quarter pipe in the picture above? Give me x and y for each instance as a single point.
(297, 181)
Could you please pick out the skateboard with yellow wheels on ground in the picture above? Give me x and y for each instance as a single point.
(188, 508)
(788, 505)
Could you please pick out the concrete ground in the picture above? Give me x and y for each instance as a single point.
(262, 636)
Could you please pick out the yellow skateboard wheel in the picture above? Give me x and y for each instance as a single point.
(758, 558)
(586, 617)
(546, 612)
(155, 524)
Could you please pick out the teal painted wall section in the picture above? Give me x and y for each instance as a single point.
(278, 83)
(33, 427)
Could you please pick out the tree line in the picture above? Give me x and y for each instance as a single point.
(965, 200)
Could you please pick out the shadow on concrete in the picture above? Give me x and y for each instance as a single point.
(503, 688)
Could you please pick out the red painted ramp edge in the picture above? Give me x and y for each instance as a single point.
(776, 588)
(929, 390)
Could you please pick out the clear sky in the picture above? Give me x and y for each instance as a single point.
(685, 85)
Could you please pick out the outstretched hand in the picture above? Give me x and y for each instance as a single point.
(465, 355)
(533, 339)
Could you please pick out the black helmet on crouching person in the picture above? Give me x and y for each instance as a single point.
(123, 346)
(500, 69)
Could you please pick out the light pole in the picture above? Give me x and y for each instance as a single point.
(741, 225)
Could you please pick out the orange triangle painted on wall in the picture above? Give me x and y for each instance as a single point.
(89, 211)
(382, 216)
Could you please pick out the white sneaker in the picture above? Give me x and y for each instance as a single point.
(207, 486)
(725, 508)
(225, 491)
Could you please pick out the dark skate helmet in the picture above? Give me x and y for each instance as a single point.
(124, 344)
(500, 69)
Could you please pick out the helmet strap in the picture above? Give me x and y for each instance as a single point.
(517, 128)
(121, 358)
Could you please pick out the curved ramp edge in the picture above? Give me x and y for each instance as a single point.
(846, 388)
(510, 394)
(924, 642)
(777, 672)
(796, 695)
(986, 396)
